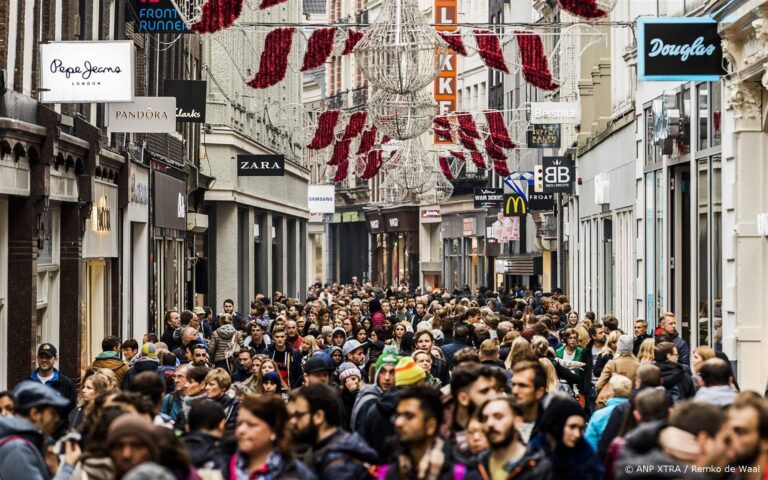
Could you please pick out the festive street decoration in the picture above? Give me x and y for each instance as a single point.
(274, 58)
(402, 116)
(373, 164)
(353, 37)
(454, 42)
(535, 63)
(414, 167)
(400, 53)
(489, 48)
(467, 125)
(446, 169)
(326, 126)
(217, 15)
(478, 160)
(443, 122)
(340, 153)
(270, 3)
(498, 130)
(367, 140)
(355, 126)
(500, 167)
(342, 171)
(319, 48)
(493, 150)
(444, 134)
(589, 9)
(466, 141)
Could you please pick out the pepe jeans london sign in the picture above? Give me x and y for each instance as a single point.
(555, 112)
(679, 49)
(143, 115)
(86, 72)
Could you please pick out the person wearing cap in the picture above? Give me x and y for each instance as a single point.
(205, 323)
(110, 358)
(147, 363)
(354, 353)
(317, 369)
(47, 374)
(22, 437)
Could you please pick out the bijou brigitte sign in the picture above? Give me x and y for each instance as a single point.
(86, 72)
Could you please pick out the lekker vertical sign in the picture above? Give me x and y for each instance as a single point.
(446, 17)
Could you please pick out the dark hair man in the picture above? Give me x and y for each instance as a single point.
(472, 385)
(47, 374)
(287, 360)
(748, 425)
(109, 358)
(529, 386)
(674, 378)
(172, 322)
(715, 383)
(667, 332)
(131, 350)
(315, 420)
(205, 429)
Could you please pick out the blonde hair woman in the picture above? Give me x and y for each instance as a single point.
(553, 382)
(646, 352)
(519, 350)
(701, 355)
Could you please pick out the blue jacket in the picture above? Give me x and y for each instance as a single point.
(599, 420)
(343, 455)
(21, 452)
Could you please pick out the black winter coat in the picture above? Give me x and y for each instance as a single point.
(343, 455)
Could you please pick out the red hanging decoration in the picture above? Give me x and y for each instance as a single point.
(269, 3)
(467, 125)
(340, 153)
(326, 124)
(353, 37)
(385, 139)
(454, 42)
(499, 133)
(342, 171)
(489, 48)
(466, 141)
(355, 125)
(500, 166)
(583, 8)
(443, 122)
(274, 58)
(218, 15)
(535, 63)
(444, 134)
(459, 155)
(372, 164)
(367, 141)
(446, 168)
(493, 150)
(319, 48)
(478, 160)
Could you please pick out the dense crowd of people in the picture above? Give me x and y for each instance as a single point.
(357, 382)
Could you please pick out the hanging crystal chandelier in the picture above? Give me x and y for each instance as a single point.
(439, 192)
(400, 52)
(415, 167)
(402, 116)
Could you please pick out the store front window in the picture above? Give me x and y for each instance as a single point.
(475, 252)
(709, 243)
(654, 243)
(453, 262)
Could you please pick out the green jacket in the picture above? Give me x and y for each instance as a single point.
(576, 357)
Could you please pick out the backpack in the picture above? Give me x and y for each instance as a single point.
(232, 349)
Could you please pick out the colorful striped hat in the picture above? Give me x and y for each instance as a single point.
(408, 373)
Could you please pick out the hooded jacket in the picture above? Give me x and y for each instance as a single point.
(533, 465)
(343, 455)
(21, 455)
(676, 381)
(142, 365)
(719, 395)
(376, 427)
(205, 450)
(220, 341)
(111, 361)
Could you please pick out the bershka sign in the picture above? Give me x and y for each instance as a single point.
(143, 115)
(157, 16)
(190, 99)
(559, 174)
(489, 197)
(546, 135)
(685, 49)
(260, 165)
(86, 72)
(555, 112)
(321, 198)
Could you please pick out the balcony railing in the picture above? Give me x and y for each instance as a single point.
(359, 96)
(338, 100)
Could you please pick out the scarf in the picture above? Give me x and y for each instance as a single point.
(238, 467)
(429, 466)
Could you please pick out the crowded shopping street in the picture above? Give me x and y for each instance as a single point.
(383, 239)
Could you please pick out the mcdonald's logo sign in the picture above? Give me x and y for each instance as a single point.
(514, 206)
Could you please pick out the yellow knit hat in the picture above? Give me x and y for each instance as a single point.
(408, 373)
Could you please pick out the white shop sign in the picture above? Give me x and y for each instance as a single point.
(555, 112)
(321, 198)
(86, 72)
(100, 238)
(143, 115)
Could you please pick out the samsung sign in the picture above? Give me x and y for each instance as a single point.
(143, 115)
(86, 72)
(686, 49)
(321, 198)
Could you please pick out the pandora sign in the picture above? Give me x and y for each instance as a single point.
(555, 112)
(143, 115)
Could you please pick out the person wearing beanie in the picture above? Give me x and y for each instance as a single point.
(560, 438)
(407, 373)
(351, 381)
(383, 380)
(131, 441)
(623, 363)
(147, 363)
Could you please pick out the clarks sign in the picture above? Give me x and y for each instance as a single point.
(143, 115)
(86, 72)
(190, 99)
(260, 165)
(679, 49)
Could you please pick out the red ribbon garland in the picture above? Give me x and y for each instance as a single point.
(478, 160)
(340, 153)
(467, 142)
(274, 58)
(493, 150)
(269, 3)
(443, 122)
(373, 164)
(353, 37)
(342, 171)
(218, 15)
(385, 139)
(454, 42)
(459, 155)
(500, 166)
(498, 129)
(446, 168)
(355, 125)
(319, 48)
(489, 48)
(367, 141)
(326, 125)
(535, 63)
(444, 134)
(467, 124)
(583, 8)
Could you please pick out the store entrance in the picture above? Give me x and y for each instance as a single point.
(680, 247)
